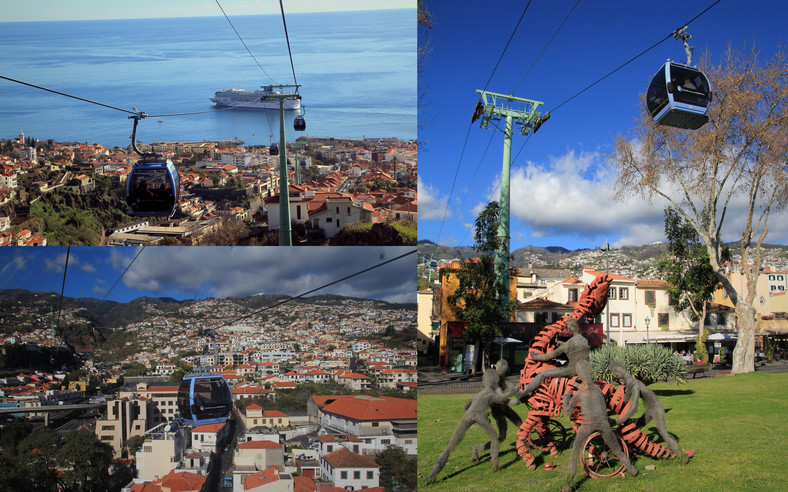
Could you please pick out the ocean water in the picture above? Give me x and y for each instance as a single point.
(357, 71)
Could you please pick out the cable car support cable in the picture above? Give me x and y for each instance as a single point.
(243, 42)
(675, 34)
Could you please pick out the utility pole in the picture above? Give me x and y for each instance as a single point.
(285, 231)
(517, 112)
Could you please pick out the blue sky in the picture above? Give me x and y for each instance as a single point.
(44, 10)
(561, 181)
(210, 272)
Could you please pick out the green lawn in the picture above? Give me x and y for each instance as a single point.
(737, 426)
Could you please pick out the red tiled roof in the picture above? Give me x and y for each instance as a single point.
(338, 438)
(345, 458)
(652, 283)
(259, 445)
(173, 482)
(304, 484)
(364, 407)
(261, 478)
(209, 428)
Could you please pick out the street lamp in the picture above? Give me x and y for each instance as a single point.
(647, 322)
(606, 248)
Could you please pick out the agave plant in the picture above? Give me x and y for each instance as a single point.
(648, 363)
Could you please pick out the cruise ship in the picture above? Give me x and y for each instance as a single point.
(253, 99)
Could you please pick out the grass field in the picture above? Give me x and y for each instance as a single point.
(737, 426)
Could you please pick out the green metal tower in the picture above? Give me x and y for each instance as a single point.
(285, 230)
(516, 112)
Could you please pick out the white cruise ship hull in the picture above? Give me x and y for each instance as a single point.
(252, 100)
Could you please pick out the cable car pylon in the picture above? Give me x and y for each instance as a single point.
(519, 112)
(285, 230)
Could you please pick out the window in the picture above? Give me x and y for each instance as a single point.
(356, 475)
(623, 293)
(343, 475)
(614, 320)
(375, 424)
(611, 293)
(572, 295)
(720, 319)
(651, 297)
(370, 475)
(626, 320)
(664, 320)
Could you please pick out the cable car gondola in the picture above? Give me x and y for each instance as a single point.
(299, 124)
(204, 399)
(153, 189)
(273, 149)
(679, 96)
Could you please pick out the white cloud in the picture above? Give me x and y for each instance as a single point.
(432, 206)
(573, 195)
(57, 263)
(241, 271)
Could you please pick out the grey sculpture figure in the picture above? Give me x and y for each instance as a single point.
(500, 412)
(576, 349)
(476, 410)
(594, 418)
(635, 390)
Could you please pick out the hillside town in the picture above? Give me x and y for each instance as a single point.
(333, 184)
(362, 351)
(640, 308)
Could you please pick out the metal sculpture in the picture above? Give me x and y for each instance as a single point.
(500, 412)
(635, 390)
(592, 419)
(546, 399)
(475, 413)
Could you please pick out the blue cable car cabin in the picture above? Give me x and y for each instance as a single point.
(679, 96)
(153, 189)
(204, 399)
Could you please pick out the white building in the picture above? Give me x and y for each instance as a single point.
(161, 452)
(349, 470)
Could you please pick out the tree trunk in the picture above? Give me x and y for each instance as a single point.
(743, 359)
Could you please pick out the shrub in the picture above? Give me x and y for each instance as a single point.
(648, 363)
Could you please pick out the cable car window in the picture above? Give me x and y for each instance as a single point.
(657, 95)
(689, 85)
(153, 189)
(183, 400)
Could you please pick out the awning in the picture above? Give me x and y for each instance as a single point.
(722, 336)
(661, 338)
